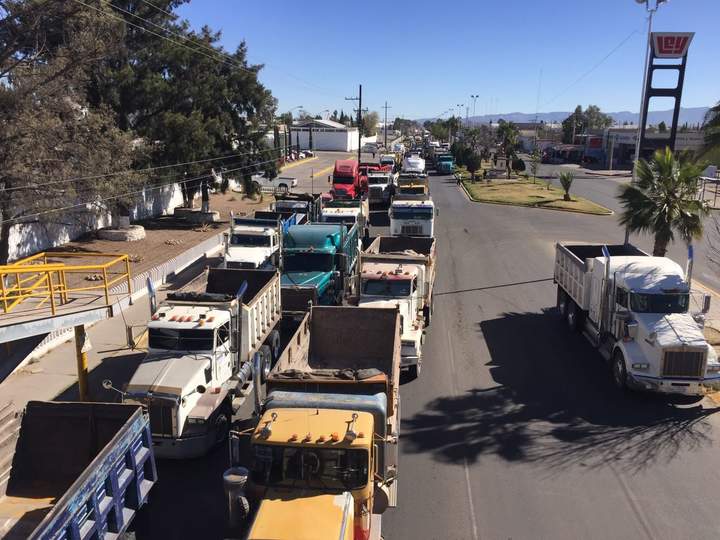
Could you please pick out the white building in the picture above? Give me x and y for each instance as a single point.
(326, 135)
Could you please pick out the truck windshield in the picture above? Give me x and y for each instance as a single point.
(174, 339)
(411, 213)
(387, 287)
(308, 262)
(249, 240)
(343, 180)
(659, 303)
(322, 468)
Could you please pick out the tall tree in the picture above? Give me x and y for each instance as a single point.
(507, 136)
(573, 124)
(56, 149)
(663, 201)
(711, 127)
(596, 119)
(370, 122)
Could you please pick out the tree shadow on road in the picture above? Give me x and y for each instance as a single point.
(554, 404)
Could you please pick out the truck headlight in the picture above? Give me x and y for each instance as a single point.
(713, 368)
(641, 366)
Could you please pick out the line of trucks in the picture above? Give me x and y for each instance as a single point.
(267, 323)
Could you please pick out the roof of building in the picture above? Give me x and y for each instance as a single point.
(315, 122)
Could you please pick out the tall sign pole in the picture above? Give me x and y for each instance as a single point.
(386, 107)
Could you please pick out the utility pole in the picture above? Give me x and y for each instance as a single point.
(386, 107)
(359, 120)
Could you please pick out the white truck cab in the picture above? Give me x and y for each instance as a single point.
(349, 211)
(380, 186)
(252, 244)
(385, 285)
(412, 215)
(635, 309)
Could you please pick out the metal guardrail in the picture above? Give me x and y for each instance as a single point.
(42, 279)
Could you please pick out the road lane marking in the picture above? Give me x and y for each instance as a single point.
(328, 168)
(466, 467)
(297, 163)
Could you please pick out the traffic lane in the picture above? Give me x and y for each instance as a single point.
(535, 416)
(604, 190)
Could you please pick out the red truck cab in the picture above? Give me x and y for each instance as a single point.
(346, 180)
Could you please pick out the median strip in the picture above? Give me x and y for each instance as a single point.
(533, 195)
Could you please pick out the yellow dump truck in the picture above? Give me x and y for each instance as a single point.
(322, 460)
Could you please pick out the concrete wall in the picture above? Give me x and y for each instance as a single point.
(29, 238)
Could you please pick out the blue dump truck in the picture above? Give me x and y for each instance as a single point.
(318, 263)
(73, 470)
(444, 164)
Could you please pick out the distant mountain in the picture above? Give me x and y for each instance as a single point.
(690, 115)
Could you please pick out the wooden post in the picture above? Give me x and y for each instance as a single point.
(82, 361)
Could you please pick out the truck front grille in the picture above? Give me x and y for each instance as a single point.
(684, 363)
(161, 418)
(411, 230)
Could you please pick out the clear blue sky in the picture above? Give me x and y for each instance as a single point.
(424, 57)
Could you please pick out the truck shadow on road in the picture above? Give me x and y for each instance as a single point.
(555, 404)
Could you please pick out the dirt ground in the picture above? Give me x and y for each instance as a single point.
(165, 236)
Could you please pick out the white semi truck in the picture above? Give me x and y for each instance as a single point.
(399, 272)
(200, 352)
(635, 309)
(412, 215)
(255, 242)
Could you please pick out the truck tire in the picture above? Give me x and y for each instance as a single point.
(221, 423)
(619, 371)
(266, 363)
(574, 316)
(414, 372)
(562, 303)
(428, 311)
(282, 188)
(274, 343)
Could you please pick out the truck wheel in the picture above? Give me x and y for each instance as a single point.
(574, 316)
(414, 372)
(274, 342)
(222, 423)
(619, 372)
(282, 188)
(562, 303)
(266, 363)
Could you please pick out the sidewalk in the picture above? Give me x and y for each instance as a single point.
(54, 375)
(608, 173)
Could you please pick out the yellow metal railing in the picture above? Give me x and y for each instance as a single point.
(43, 278)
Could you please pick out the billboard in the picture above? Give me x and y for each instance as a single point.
(671, 44)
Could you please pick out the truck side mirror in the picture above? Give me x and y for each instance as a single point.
(706, 303)
(329, 179)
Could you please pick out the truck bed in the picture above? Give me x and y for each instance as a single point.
(72, 455)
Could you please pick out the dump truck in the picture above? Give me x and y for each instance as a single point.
(444, 164)
(381, 187)
(348, 212)
(254, 242)
(201, 342)
(308, 204)
(413, 184)
(323, 457)
(73, 470)
(635, 309)
(318, 262)
(412, 215)
(399, 271)
(345, 180)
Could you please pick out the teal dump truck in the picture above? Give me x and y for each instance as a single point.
(318, 263)
(445, 164)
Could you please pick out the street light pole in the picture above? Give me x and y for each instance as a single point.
(641, 116)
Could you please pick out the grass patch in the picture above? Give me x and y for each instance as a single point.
(526, 193)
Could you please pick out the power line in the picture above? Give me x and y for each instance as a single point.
(145, 190)
(597, 65)
(148, 169)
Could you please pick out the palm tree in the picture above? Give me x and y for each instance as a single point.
(711, 127)
(507, 134)
(663, 200)
(566, 181)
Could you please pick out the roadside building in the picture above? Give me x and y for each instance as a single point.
(317, 134)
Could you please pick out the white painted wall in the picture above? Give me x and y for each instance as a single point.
(342, 141)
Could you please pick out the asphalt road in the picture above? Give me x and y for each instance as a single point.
(514, 429)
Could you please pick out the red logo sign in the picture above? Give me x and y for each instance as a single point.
(671, 44)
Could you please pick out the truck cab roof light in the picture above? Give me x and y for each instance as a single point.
(335, 437)
(155, 317)
(173, 318)
(307, 438)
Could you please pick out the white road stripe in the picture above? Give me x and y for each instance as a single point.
(466, 467)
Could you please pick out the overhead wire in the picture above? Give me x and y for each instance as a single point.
(149, 169)
(118, 196)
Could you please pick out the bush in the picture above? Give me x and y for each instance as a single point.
(566, 181)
